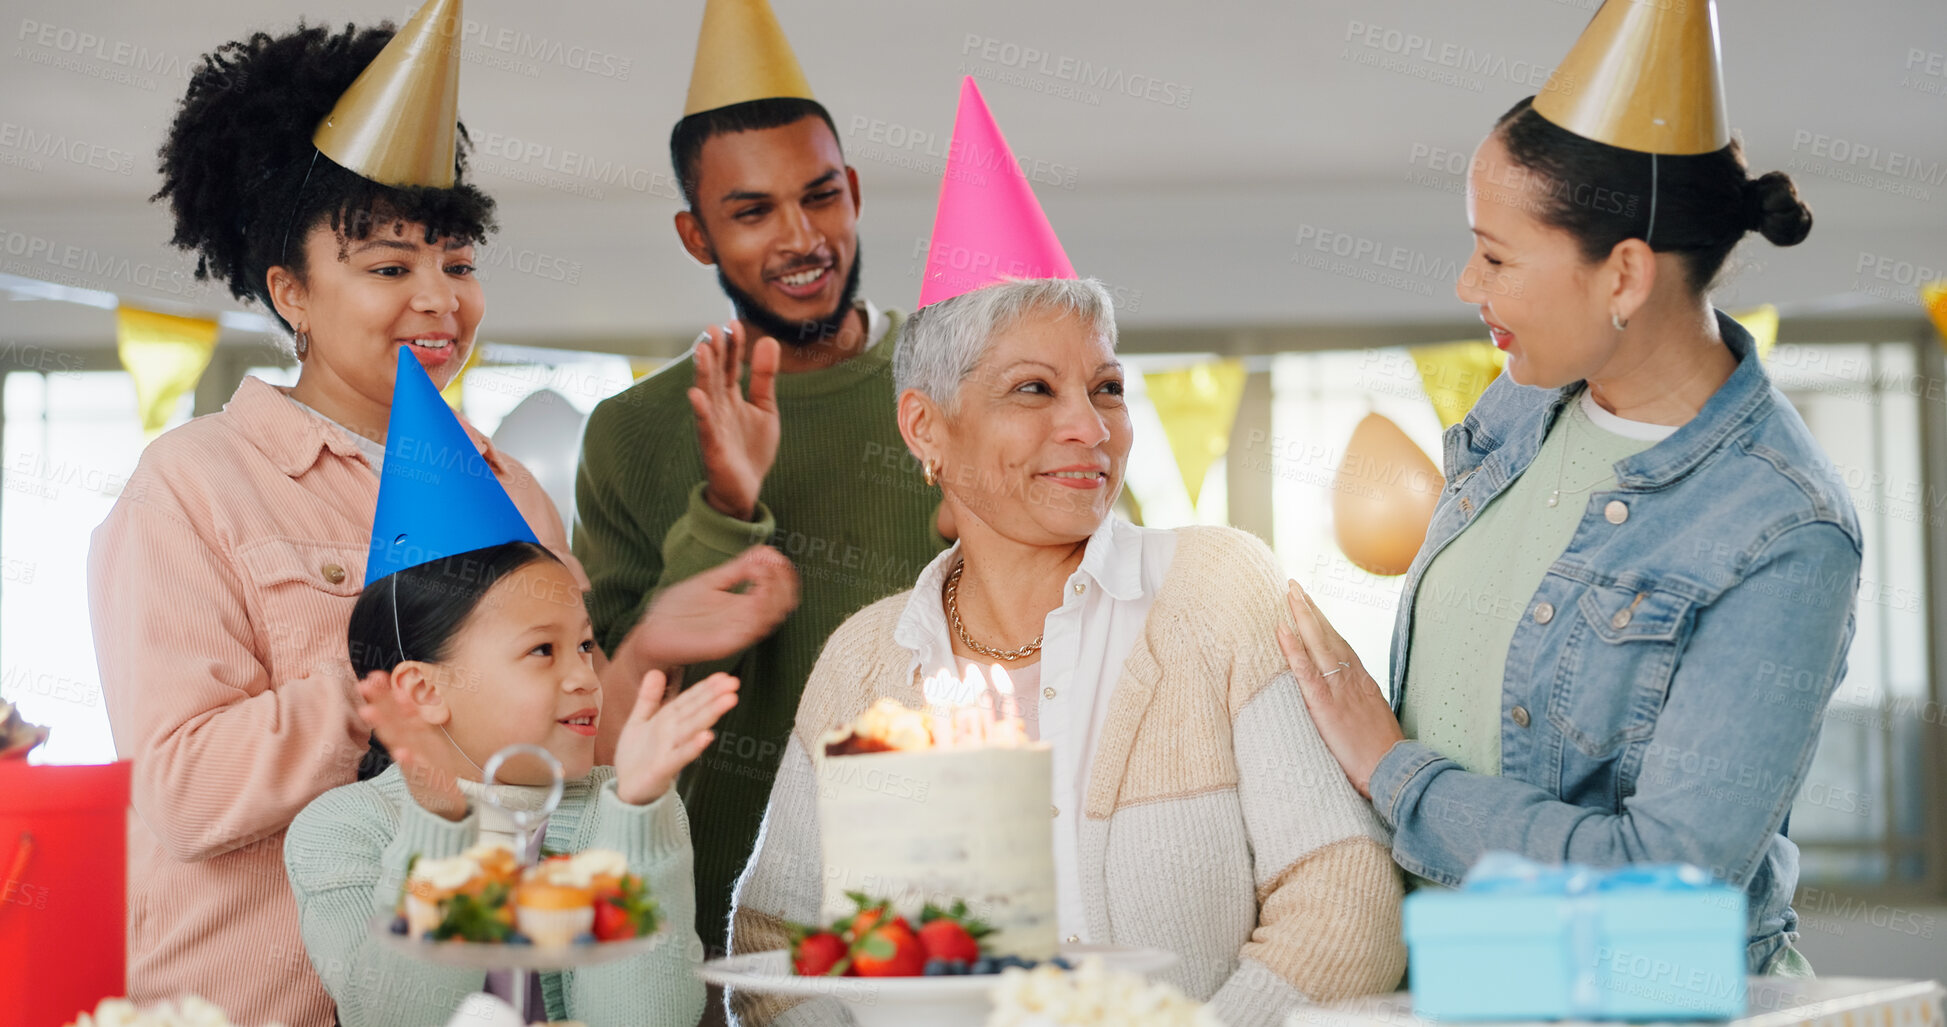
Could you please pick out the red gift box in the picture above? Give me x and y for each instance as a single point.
(63, 890)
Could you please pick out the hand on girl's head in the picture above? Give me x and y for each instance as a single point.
(662, 737)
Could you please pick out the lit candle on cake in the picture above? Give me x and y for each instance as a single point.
(977, 715)
(1004, 687)
(1009, 729)
(938, 689)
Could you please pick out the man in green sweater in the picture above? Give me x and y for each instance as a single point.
(684, 470)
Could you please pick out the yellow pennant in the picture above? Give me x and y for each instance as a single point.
(1934, 296)
(166, 355)
(1198, 406)
(1455, 374)
(1762, 323)
(455, 390)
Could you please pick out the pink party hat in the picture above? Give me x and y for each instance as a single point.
(989, 228)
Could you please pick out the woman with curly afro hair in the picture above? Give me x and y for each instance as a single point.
(222, 583)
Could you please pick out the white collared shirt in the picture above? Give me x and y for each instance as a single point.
(1105, 604)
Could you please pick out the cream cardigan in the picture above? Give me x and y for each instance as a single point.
(1218, 826)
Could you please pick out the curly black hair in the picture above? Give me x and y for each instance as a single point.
(241, 175)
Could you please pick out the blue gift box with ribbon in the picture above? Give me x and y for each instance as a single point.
(1522, 941)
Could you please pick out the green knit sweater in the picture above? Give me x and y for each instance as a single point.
(844, 500)
(347, 854)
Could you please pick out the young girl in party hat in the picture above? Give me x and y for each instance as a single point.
(479, 640)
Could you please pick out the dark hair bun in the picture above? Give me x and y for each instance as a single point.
(1772, 207)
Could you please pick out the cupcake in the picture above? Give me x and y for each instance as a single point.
(496, 862)
(597, 869)
(553, 915)
(432, 882)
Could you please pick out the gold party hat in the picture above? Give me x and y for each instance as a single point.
(742, 55)
(1644, 76)
(397, 123)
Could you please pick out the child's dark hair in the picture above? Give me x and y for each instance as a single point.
(1601, 195)
(687, 138)
(434, 599)
(244, 183)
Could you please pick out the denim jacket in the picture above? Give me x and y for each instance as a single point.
(1664, 689)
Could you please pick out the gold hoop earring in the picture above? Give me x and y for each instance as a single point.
(301, 342)
(930, 471)
(1618, 321)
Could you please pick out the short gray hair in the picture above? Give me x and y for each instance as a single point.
(940, 346)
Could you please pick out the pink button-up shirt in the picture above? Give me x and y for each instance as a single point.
(221, 586)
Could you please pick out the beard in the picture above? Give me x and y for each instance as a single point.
(791, 332)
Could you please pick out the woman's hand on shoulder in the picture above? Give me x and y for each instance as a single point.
(1352, 715)
(661, 738)
(408, 737)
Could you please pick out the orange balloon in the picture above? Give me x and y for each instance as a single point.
(1383, 497)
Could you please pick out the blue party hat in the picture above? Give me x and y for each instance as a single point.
(437, 496)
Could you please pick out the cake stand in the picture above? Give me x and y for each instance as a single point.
(519, 959)
(957, 1001)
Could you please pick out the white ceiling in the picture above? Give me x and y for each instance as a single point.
(1192, 211)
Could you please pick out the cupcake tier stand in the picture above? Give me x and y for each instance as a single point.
(519, 960)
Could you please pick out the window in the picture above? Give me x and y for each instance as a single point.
(1861, 818)
(72, 440)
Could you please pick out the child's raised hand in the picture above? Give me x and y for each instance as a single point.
(408, 738)
(661, 738)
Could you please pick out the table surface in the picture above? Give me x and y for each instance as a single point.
(1770, 1002)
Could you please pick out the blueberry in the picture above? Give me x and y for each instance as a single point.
(935, 968)
(986, 965)
(399, 925)
(517, 938)
(428, 936)
(584, 938)
(959, 967)
(1061, 964)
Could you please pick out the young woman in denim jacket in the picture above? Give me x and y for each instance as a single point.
(1637, 592)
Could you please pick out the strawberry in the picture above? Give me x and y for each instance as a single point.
(818, 954)
(890, 949)
(625, 910)
(946, 939)
(611, 923)
(860, 924)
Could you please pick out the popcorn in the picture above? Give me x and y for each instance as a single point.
(1090, 996)
(188, 1011)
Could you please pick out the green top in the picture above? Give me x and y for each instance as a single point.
(1477, 590)
(844, 500)
(347, 854)
(1479, 587)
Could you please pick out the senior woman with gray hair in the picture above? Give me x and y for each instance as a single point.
(1196, 809)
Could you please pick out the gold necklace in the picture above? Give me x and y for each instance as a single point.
(953, 614)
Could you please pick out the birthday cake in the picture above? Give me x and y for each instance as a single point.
(938, 807)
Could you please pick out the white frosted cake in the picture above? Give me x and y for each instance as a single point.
(916, 823)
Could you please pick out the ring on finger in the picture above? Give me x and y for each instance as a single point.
(1342, 667)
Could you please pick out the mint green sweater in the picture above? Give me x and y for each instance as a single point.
(844, 501)
(347, 854)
